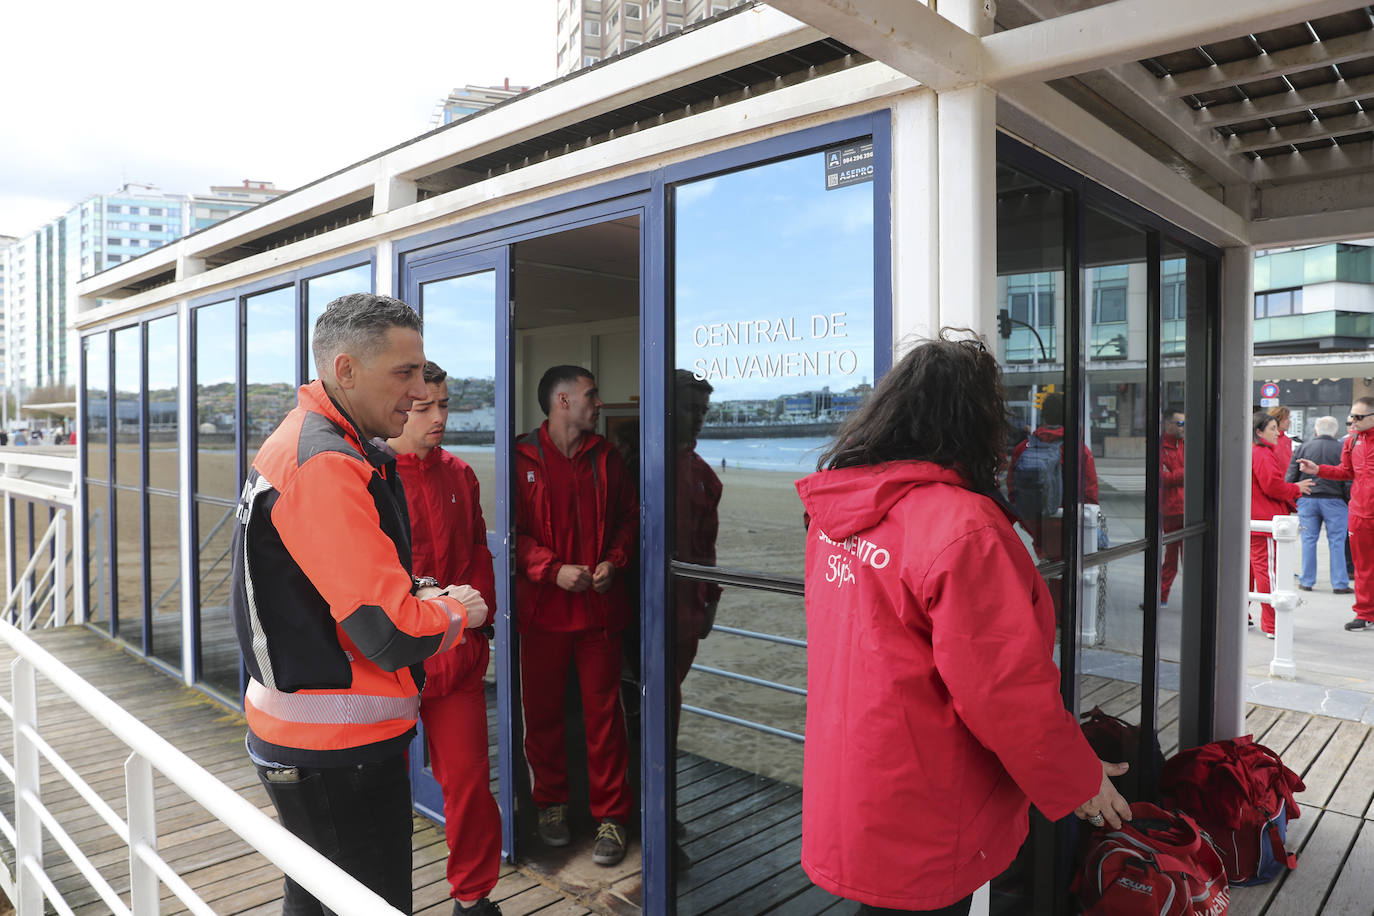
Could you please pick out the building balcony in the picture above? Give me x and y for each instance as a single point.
(1326, 330)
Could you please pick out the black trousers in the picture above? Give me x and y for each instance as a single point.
(961, 908)
(358, 817)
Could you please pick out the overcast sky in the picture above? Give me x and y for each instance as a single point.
(184, 95)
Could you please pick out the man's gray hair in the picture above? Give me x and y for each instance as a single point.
(1326, 426)
(357, 324)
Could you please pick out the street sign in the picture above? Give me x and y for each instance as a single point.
(1269, 390)
(1269, 402)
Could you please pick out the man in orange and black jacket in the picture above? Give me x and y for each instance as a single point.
(333, 629)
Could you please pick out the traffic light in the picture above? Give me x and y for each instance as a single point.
(1004, 324)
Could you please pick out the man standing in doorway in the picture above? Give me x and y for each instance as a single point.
(449, 544)
(1357, 466)
(1324, 505)
(1171, 473)
(577, 521)
(332, 627)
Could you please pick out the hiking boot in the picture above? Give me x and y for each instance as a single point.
(483, 907)
(1359, 624)
(553, 826)
(610, 843)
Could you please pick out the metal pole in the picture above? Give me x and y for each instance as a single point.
(59, 577)
(1285, 599)
(28, 844)
(144, 887)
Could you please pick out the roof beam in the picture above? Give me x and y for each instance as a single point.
(904, 34)
(1128, 30)
(1320, 129)
(1316, 163)
(1281, 103)
(1337, 51)
(1312, 228)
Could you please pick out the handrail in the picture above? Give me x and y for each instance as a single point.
(1284, 531)
(28, 887)
(24, 590)
(176, 583)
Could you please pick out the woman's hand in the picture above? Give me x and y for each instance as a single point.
(1107, 805)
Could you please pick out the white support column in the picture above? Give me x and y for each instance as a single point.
(8, 508)
(186, 505)
(59, 572)
(1285, 600)
(1233, 485)
(144, 886)
(390, 193)
(386, 272)
(915, 223)
(968, 208)
(28, 853)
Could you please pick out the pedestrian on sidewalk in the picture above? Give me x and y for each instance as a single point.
(1357, 466)
(1325, 505)
(1270, 495)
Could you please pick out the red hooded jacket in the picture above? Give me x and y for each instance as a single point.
(448, 542)
(1171, 472)
(1049, 434)
(540, 603)
(934, 715)
(1270, 494)
(1357, 464)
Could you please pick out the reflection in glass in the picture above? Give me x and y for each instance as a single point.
(774, 303)
(324, 289)
(95, 438)
(216, 383)
(270, 382)
(1031, 293)
(129, 566)
(128, 379)
(1115, 286)
(460, 315)
(164, 579)
(219, 653)
(97, 552)
(163, 421)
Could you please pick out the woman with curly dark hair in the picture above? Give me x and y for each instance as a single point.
(933, 709)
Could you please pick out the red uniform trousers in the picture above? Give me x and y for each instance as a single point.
(456, 729)
(544, 659)
(1169, 568)
(1261, 573)
(1362, 552)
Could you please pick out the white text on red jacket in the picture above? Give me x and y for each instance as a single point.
(864, 550)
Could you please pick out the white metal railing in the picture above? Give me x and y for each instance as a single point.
(1281, 595)
(26, 601)
(28, 885)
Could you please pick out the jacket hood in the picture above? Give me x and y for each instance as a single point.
(1049, 433)
(849, 500)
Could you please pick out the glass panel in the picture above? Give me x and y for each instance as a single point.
(98, 552)
(1114, 454)
(270, 383)
(128, 378)
(164, 574)
(774, 304)
(739, 752)
(95, 437)
(163, 423)
(218, 649)
(321, 290)
(129, 565)
(216, 381)
(460, 314)
(1030, 266)
(1111, 630)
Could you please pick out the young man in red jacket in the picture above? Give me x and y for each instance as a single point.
(1171, 467)
(577, 521)
(449, 544)
(1357, 465)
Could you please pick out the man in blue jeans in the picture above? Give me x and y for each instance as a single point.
(1324, 505)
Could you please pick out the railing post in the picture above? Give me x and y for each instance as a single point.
(1092, 580)
(144, 887)
(59, 580)
(9, 542)
(1285, 598)
(28, 829)
(25, 615)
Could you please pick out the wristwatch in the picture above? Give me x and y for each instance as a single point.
(419, 582)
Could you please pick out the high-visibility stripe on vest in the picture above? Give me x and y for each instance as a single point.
(328, 708)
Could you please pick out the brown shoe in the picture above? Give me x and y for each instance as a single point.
(1342, 591)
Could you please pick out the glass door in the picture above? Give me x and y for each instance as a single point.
(461, 299)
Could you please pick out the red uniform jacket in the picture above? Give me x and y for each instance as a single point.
(1357, 464)
(934, 715)
(448, 542)
(541, 604)
(1270, 494)
(1171, 467)
(1284, 449)
(697, 522)
(1049, 434)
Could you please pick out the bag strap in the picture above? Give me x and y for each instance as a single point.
(1281, 853)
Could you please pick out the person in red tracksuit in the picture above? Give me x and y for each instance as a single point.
(1046, 532)
(934, 715)
(1283, 446)
(577, 521)
(1171, 468)
(448, 542)
(1357, 466)
(1270, 495)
